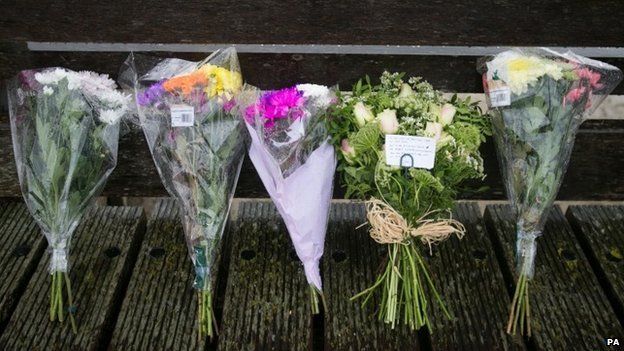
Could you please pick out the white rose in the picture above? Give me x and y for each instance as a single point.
(444, 140)
(362, 114)
(347, 150)
(406, 91)
(446, 114)
(434, 129)
(388, 121)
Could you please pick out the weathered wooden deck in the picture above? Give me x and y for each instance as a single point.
(132, 279)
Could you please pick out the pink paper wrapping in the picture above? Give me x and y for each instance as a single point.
(302, 199)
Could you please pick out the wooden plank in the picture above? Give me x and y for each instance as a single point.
(21, 246)
(351, 262)
(159, 310)
(316, 22)
(266, 304)
(588, 178)
(569, 309)
(268, 70)
(101, 257)
(600, 229)
(471, 283)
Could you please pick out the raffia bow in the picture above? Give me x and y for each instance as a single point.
(389, 227)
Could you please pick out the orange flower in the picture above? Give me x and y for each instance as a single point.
(186, 83)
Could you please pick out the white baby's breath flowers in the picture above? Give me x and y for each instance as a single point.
(47, 90)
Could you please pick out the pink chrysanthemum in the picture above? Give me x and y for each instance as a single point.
(278, 104)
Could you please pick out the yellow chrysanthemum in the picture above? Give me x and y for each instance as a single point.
(519, 71)
(520, 64)
(222, 81)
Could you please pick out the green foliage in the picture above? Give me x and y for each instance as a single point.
(534, 139)
(411, 191)
(67, 159)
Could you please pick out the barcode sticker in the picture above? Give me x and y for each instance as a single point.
(410, 151)
(182, 116)
(500, 97)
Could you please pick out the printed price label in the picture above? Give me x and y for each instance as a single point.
(500, 97)
(182, 116)
(410, 151)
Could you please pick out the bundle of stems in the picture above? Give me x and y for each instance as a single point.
(403, 283)
(56, 299)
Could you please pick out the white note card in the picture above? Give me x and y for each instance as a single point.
(182, 116)
(410, 151)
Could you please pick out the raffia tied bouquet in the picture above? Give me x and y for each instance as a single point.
(408, 207)
(537, 101)
(65, 129)
(198, 147)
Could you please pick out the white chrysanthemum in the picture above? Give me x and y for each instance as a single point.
(51, 77)
(97, 88)
(111, 116)
(48, 90)
(520, 71)
(113, 98)
(320, 94)
(99, 81)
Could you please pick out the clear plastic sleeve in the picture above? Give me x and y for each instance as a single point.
(538, 99)
(65, 130)
(290, 150)
(196, 143)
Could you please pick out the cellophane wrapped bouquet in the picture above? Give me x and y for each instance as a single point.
(65, 129)
(538, 99)
(291, 151)
(198, 147)
(407, 150)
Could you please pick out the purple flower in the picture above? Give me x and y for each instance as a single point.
(278, 104)
(151, 94)
(27, 80)
(229, 105)
(171, 136)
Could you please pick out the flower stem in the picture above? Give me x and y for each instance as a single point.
(207, 319)
(432, 286)
(402, 287)
(70, 299)
(56, 299)
(53, 297)
(314, 300)
(59, 296)
(520, 313)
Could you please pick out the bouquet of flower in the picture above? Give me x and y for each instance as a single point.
(407, 150)
(197, 146)
(291, 152)
(65, 129)
(537, 101)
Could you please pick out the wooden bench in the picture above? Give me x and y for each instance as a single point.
(129, 264)
(133, 281)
